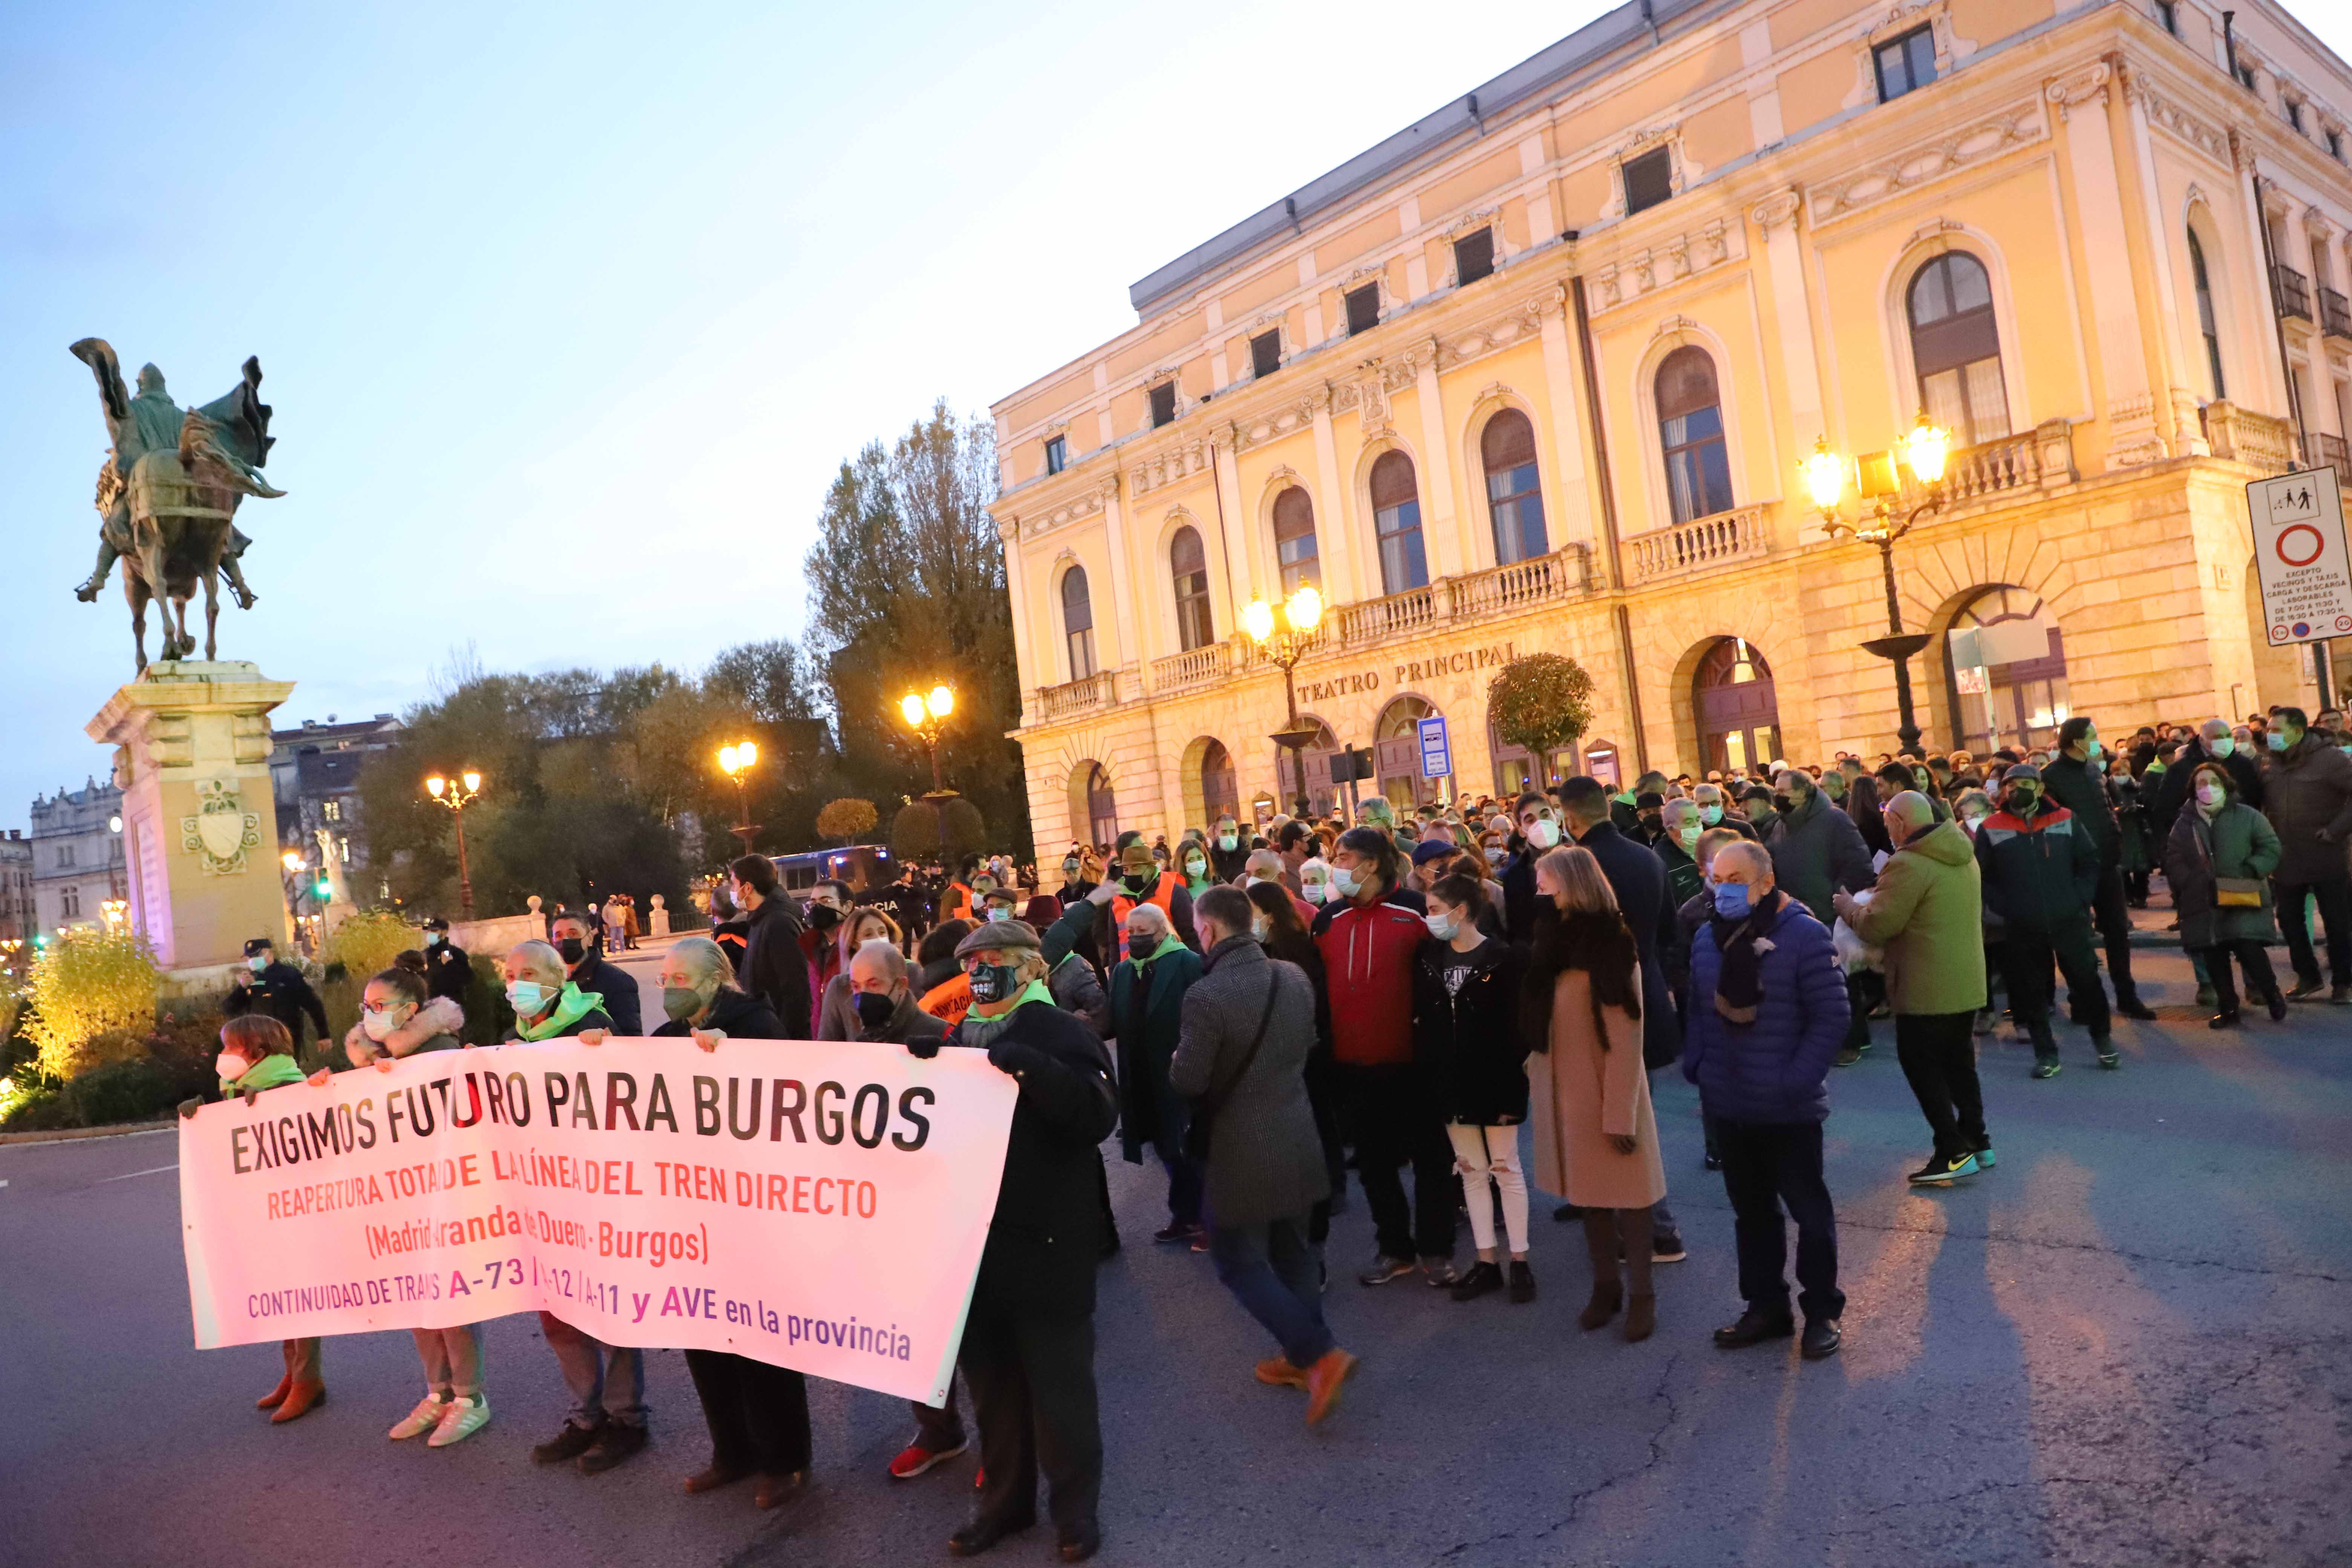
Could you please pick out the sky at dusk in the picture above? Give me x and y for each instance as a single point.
(568, 312)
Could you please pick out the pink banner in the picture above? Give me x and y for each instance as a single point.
(817, 1205)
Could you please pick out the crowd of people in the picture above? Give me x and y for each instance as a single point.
(1403, 992)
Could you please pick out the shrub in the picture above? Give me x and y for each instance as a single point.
(365, 944)
(89, 986)
(849, 819)
(1541, 701)
(914, 831)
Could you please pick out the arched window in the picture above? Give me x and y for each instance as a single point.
(1507, 446)
(2005, 671)
(2205, 319)
(1955, 348)
(1078, 622)
(1396, 518)
(1293, 540)
(1732, 697)
(1221, 795)
(1102, 807)
(1190, 565)
(1690, 429)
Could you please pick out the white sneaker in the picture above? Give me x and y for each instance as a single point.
(460, 1419)
(421, 1420)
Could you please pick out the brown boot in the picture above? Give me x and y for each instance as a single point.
(1608, 1292)
(1641, 1318)
(301, 1398)
(275, 1396)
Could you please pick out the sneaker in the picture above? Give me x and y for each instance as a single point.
(1523, 1283)
(1484, 1278)
(1822, 1337)
(2133, 1007)
(2277, 1005)
(1714, 1162)
(2340, 995)
(2228, 1020)
(914, 1459)
(1754, 1328)
(569, 1443)
(2109, 1057)
(1176, 1231)
(1276, 1371)
(1441, 1272)
(419, 1421)
(1323, 1381)
(1985, 1022)
(1985, 1161)
(1385, 1269)
(1667, 1248)
(1944, 1170)
(2304, 988)
(460, 1419)
(2046, 1066)
(1848, 1055)
(614, 1442)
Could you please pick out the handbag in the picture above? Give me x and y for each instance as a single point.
(2228, 892)
(1194, 1145)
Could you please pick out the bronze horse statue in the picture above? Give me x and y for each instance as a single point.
(168, 494)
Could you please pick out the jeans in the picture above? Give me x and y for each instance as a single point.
(2026, 957)
(1396, 1121)
(2113, 917)
(1276, 1275)
(1938, 1053)
(452, 1358)
(1492, 1153)
(608, 1382)
(2261, 984)
(1765, 1166)
(2334, 900)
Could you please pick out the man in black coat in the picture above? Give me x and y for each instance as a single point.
(585, 965)
(1639, 879)
(2213, 743)
(1538, 832)
(2077, 779)
(449, 971)
(1028, 1351)
(274, 987)
(774, 967)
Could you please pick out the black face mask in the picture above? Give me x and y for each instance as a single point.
(1140, 947)
(2020, 801)
(875, 1008)
(572, 949)
(823, 917)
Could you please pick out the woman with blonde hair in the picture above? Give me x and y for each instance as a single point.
(836, 1012)
(1596, 1140)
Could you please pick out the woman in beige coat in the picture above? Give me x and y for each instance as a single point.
(1596, 1140)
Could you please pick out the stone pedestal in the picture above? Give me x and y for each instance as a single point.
(199, 823)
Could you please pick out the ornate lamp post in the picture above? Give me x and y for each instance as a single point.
(457, 795)
(737, 762)
(1924, 452)
(1285, 646)
(926, 717)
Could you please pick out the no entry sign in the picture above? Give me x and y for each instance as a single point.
(2300, 556)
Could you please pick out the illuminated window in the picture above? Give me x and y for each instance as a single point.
(1188, 564)
(1294, 538)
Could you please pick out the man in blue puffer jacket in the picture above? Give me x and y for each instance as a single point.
(1767, 1010)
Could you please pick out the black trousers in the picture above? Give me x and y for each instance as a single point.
(940, 1430)
(1765, 1166)
(1938, 1053)
(2334, 900)
(2112, 914)
(1397, 1121)
(2025, 960)
(758, 1413)
(1032, 1393)
(2260, 981)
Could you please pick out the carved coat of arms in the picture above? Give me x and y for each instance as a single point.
(222, 830)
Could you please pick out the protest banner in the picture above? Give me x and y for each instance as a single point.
(816, 1204)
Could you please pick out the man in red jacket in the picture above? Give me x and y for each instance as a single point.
(1368, 935)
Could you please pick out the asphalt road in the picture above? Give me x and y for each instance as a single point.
(2128, 1344)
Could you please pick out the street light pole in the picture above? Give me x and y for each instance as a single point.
(926, 714)
(737, 762)
(1825, 472)
(457, 795)
(1301, 614)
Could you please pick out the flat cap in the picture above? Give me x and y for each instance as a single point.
(997, 935)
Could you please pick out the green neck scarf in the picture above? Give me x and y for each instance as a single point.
(571, 1005)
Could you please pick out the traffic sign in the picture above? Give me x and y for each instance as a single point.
(1436, 751)
(2300, 557)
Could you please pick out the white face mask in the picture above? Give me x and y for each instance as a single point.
(1312, 891)
(1261, 927)
(1496, 854)
(2210, 795)
(231, 1067)
(257, 962)
(1543, 833)
(379, 1026)
(1441, 927)
(2222, 747)
(1343, 882)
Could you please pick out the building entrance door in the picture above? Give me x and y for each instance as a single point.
(1739, 718)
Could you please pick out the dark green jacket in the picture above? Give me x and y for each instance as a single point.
(1928, 912)
(1148, 1022)
(2238, 842)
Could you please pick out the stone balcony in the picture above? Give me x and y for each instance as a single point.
(1702, 545)
(1071, 699)
(2246, 436)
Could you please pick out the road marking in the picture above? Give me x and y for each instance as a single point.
(127, 1175)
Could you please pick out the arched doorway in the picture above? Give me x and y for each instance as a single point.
(1094, 809)
(1396, 752)
(1321, 793)
(1221, 794)
(1739, 718)
(2005, 671)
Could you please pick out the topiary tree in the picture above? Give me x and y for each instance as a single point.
(914, 831)
(365, 944)
(1541, 702)
(847, 819)
(91, 990)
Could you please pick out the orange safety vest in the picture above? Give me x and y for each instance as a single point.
(957, 905)
(1163, 893)
(950, 1000)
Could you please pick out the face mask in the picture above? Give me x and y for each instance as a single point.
(526, 997)
(2019, 801)
(1731, 900)
(1496, 854)
(823, 917)
(991, 982)
(379, 1026)
(1785, 803)
(1194, 866)
(682, 1002)
(1441, 927)
(1344, 882)
(1543, 833)
(1140, 947)
(572, 949)
(1710, 815)
(1226, 842)
(1315, 892)
(2222, 747)
(1261, 927)
(433, 939)
(2278, 740)
(1972, 817)
(1690, 832)
(231, 1068)
(257, 962)
(2093, 751)
(1000, 912)
(876, 1008)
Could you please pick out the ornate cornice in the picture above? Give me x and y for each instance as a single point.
(1672, 259)
(2018, 125)
(1779, 208)
(2079, 87)
(1177, 461)
(1079, 506)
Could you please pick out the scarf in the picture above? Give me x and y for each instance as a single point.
(1740, 988)
(979, 1033)
(571, 1005)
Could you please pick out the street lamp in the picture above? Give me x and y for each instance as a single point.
(1924, 452)
(1285, 646)
(926, 717)
(737, 762)
(457, 795)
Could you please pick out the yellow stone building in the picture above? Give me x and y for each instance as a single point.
(1540, 371)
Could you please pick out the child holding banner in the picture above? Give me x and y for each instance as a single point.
(258, 1053)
